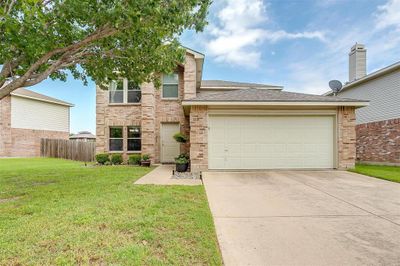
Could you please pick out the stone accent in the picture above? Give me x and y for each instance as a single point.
(198, 138)
(379, 142)
(346, 137)
(149, 114)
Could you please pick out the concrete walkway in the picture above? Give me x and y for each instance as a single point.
(305, 218)
(162, 175)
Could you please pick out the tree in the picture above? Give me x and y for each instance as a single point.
(98, 39)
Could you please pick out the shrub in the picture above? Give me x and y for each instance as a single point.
(182, 159)
(179, 137)
(116, 158)
(134, 159)
(102, 158)
(145, 157)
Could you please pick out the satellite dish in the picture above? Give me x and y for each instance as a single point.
(335, 86)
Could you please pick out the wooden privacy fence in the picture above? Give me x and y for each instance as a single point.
(68, 149)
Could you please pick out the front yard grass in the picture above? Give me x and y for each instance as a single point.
(61, 212)
(391, 173)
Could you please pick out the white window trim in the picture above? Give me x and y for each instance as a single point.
(162, 91)
(125, 94)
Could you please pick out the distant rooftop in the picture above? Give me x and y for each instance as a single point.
(22, 92)
(223, 84)
(83, 135)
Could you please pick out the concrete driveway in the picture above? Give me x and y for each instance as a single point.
(305, 218)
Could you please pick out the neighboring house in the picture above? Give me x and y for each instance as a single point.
(378, 125)
(26, 117)
(84, 136)
(231, 125)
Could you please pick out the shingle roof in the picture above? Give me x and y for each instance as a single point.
(262, 95)
(232, 84)
(83, 135)
(22, 92)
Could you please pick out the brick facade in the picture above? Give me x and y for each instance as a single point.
(5, 127)
(346, 137)
(379, 142)
(26, 142)
(149, 114)
(17, 142)
(199, 138)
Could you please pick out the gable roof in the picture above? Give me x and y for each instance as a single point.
(224, 84)
(254, 96)
(24, 93)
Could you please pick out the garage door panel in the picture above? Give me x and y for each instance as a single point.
(268, 142)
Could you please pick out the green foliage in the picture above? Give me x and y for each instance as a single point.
(182, 159)
(180, 137)
(102, 158)
(145, 157)
(134, 159)
(391, 173)
(101, 40)
(116, 158)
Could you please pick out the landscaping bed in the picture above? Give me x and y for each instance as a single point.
(61, 212)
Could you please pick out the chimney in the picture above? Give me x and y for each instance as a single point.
(357, 62)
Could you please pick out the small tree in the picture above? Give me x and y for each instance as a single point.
(102, 39)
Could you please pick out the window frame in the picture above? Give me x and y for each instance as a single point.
(125, 93)
(111, 138)
(128, 138)
(113, 88)
(162, 91)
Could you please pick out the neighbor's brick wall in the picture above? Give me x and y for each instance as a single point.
(198, 138)
(379, 142)
(26, 142)
(346, 137)
(5, 126)
(149, 114)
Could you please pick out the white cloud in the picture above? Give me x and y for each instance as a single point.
(388, 15)
(238, 31)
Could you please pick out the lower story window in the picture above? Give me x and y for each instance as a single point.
(134, 139)
(116, 139)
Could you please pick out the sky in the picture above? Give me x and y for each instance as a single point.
(298, 44)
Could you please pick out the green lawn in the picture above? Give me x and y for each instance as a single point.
(391, 173)
(61, 212)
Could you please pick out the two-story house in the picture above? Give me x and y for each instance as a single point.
(378, 125)
(26, 117)
(231, 125)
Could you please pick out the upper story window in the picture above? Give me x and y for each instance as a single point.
(170, 87)
(124, 91)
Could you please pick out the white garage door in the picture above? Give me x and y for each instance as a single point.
(271, 142)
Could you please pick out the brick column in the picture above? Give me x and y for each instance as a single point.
(189, 77)
(346, 137)
(148, 120)
(101, 135)
(198, 138)
(5, 126)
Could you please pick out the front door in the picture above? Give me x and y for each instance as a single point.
(169, 147)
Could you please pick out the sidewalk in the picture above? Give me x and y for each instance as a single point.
(162, 175)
